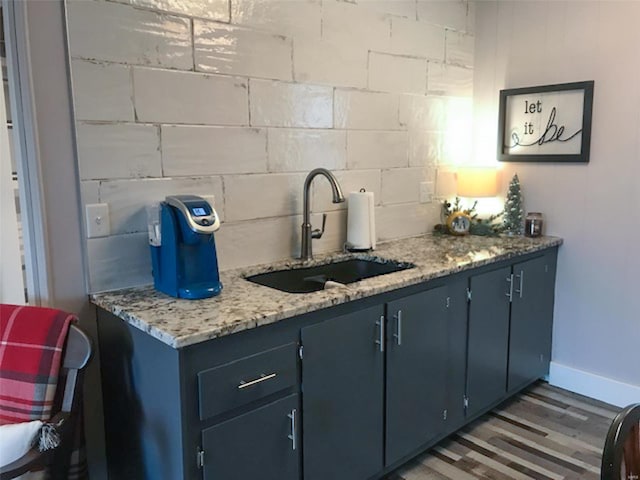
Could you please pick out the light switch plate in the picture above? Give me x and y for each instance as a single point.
(97, 218)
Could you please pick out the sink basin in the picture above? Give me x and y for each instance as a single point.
(312, 279)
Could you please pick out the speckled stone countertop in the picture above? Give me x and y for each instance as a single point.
(243, 305)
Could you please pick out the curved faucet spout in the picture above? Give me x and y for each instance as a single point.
(338, 197)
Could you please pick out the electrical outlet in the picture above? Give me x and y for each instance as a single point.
(426, 192)
(98, 222)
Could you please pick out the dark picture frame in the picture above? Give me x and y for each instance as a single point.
(549, 123)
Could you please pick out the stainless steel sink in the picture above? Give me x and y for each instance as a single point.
(312, 279)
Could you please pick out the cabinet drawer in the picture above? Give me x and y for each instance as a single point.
(245, 380)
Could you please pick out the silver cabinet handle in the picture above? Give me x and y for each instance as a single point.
(510, 293)
(521, 277)
(380, 341)
(263, 377)
(294, 434)
(398, 334)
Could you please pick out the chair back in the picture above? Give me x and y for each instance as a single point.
(77, 352)
(621, 455)
(76, 357)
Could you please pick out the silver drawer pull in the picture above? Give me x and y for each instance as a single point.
(262, 378)
(398, 334)
(380, 341)
(510, 293)
(521, 277)
(294, 432)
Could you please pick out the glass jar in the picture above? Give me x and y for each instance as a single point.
(533, 224)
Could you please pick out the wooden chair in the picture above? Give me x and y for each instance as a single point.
(621, 455)
(76, 356)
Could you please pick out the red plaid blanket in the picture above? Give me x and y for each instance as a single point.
(31, 341)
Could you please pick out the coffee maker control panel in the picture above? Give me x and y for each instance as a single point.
(200, 216)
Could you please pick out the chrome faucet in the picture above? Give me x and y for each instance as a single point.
(308, 234)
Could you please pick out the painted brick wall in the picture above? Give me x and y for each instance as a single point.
(240, 99)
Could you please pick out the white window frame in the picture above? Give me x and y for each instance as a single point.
(44, 134)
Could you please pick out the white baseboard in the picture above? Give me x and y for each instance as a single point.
(595, 386)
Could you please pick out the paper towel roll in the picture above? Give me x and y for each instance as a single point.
(361, 221)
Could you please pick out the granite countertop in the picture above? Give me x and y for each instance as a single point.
(243, 305)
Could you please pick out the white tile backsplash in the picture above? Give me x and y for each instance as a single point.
(300, 18)
(424, 113)
(261, 241)
(127, 199)
(397, 8)
(459, 48)
(356, 109)
(189, 150)
(302, 150)
(119, 33)
(279, 104)
(447, 13)
(402, 185)
(446, 183)
(119, 261)
(185, 97)
(425, 147)
(247, 198)
(90, 191)
(210, 9)
(240, 99)
(406, 220)
(329, 63)
(444, 79)
(114, 83)
(421, 39)
(334, 235)
(349, 24)
(395, 73)
(234, 50)
(118, 151)
(350, 181)
(377, 149)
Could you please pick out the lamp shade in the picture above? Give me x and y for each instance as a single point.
(476, 182)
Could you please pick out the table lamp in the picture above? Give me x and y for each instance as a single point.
(475, 182)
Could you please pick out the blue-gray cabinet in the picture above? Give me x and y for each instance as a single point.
(488, 339)
(510, 326)
(417, 356)
(342, 402)
(531, 320)
(262, 443)
(345, 393)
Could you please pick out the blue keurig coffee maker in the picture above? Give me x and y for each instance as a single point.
(183, 250)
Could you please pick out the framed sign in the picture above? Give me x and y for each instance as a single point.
(551, 123)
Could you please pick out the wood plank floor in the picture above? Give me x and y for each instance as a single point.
(545, 433)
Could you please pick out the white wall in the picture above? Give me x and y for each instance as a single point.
(243, 98)
(595, 206)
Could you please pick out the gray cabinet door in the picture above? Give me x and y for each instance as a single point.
(531, 321)
(259, 444)
(342, 400)
(488, 339)
(416, 371)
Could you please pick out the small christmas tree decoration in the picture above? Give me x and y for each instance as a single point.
(513, 215)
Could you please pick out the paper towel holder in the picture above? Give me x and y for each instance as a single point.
(350, 247)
